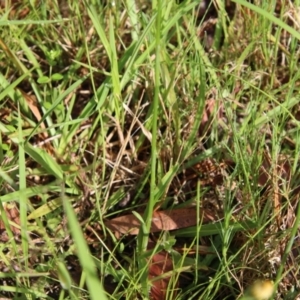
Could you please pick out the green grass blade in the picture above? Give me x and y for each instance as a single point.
(270, 16)
(84, 255)
(23, 199)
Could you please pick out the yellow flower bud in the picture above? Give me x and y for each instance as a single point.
(261, 290)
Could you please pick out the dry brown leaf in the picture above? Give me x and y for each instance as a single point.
(32, 104)
(162, 220)
(277, 175)
(13, 215)
(13, 7)
(160, 263)
(209, 111)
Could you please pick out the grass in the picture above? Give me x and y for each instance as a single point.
(128, 108)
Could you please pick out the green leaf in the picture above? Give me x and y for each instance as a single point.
(84, 255)
(57, 76)
(44, 79)
(46, 208)
(64, 276)
(45, 160)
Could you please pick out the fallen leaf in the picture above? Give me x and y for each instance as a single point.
(161, 221)
(160, 263)
(213, 109)
(12, 214)
(32, 104)
(14, 7)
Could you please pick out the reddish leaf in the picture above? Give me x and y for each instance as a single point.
(12, 214)
(160, 263)
(162, 220)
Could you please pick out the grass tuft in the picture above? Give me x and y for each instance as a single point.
(177, 120)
